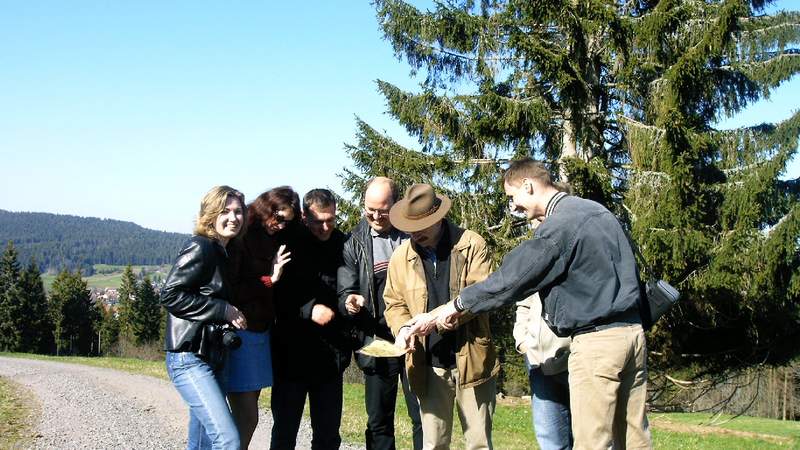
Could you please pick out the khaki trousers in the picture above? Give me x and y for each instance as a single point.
(608, 389)
(475, 409)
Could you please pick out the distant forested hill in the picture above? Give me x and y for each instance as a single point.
(70, 242)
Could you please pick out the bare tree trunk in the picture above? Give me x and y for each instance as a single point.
(785, 390)
(569, 146)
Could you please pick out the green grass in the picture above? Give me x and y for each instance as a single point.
(790, 429)
(106, 275)
(15, 415)
(700, 441)
(752, 431)
(512, 420)
(137, 366)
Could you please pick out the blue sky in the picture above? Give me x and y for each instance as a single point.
(133, 110)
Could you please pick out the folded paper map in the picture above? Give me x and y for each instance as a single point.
(381, 349)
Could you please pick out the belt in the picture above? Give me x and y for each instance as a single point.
(620, 320)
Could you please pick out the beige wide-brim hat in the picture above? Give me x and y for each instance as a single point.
(420, 208)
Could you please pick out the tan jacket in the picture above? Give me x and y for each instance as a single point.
(537, 341)
(406, 295)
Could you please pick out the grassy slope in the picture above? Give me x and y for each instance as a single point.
(512, 429)
(105, 276)
(15, 415)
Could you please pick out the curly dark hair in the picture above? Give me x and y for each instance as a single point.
(263, 208)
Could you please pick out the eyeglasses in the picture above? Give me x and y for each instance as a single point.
(376, 213)
(279, 219)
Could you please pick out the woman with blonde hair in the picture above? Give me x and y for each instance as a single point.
(197, 298)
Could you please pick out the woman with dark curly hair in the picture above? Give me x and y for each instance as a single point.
(257, 262)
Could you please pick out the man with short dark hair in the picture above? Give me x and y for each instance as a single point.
(581, 263)
(320, 351)
(319, 213)
(452, 365)
(361, 280)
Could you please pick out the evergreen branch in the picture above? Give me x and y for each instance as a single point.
(779, 222)
(514, 224)
(721, 186)
(742, 168)
(638, 124)
(649, 177)
(630, 213)
(480, 161)
(462, 56)
(771, 59)
(767, 29)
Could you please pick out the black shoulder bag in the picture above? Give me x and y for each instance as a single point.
(657, 296)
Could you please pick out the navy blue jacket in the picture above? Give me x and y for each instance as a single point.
(580, 262)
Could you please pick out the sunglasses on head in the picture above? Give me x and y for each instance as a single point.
(279, 219)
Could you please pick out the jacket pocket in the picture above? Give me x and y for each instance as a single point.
(477, 357)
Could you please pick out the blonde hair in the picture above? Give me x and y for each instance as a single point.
(211, 206)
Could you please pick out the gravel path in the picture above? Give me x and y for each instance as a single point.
(85, 407)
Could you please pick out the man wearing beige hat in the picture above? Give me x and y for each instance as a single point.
(457, 364)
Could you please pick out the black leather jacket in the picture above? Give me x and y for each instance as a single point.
(355, 276)
(195, 294)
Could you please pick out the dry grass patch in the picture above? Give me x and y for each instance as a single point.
(18, 411)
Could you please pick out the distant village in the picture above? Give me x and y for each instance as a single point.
(108, 297)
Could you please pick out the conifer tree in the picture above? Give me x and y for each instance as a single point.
(145, 313)
(74, 314)
(127, 295)
(109, 331)
(10, 301)
(36, 326)
(621, 99)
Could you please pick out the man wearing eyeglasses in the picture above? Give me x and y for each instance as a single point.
(361, 281)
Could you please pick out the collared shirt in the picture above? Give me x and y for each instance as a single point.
(383, 245)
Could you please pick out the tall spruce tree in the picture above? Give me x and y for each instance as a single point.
(145, 313)
(36, 326)
(109, 331)
(11, 312)
(127, 295)
(75, 316)
(621, 99)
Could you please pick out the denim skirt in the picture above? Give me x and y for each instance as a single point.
(249, 368)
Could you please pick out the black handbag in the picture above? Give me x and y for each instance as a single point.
(660, 297)
(657, 296)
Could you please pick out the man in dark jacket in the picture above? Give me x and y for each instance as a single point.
(361, 280)
(582, 265)
(310, 344)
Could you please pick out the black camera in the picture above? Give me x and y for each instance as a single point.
(215, 341)
(227, 335)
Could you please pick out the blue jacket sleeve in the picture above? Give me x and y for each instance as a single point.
(532, 265)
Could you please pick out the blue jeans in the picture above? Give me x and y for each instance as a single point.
(552, 421)
(211, 424)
